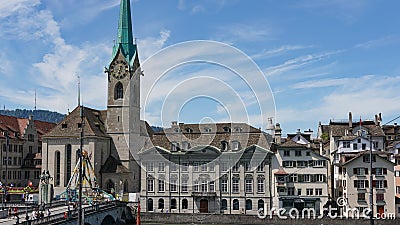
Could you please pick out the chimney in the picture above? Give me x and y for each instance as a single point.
(350, 120)
(270, 126)
(174, 123)
(379, 119)
(278, 134)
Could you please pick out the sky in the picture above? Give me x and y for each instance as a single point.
(318, 59)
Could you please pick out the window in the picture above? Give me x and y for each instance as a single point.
(185, 204)
(260, 186)
(363, 146)
(297, 153)
(173, 185)
(204, 167)
(185, 145)
(346, 144)
(366, 158)
(290, 191)
(260, 204)
(227, 129)
(173, 167)
(360, 171)
(207, 130)
(185, 167)
(118, 91)
(249, 204)
(359, 140)
(224, 145)
(150, 204)
(308, 153)
(161, 167)
(286, 153)
(379, 171)
(288, 163)
(203, 186)
(196, 186)
(173, 203)
(30, 149)
(184, 187)
(212, 186)
(397, 189)
(380, 197)
(301, 163)
(235, 204)
(160, 203)
(195, 166)
(68, 155)
(378, 184)
(319, 177)
(150, 185)
(189, 130)
(161, 185)
(361, 184)
(235, 145)
(319, 163)
(318, 191)
(224, 185)
(375, 144)
(224, 204)
(298, 191)
(247, 166)
(361, 197)
(249, 185)
(235, 186)
(174, 146)
(57, 168)
(150, 167)
(293, 178)
(238, 129)
(260, 168)
(354, 146)
(309, 191)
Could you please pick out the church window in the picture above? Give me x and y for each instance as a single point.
(68, 154)
(57, 168)
(119, 91)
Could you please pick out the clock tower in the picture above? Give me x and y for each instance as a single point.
(123, 104)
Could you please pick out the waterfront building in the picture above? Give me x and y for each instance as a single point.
(206, 168)
(21, 150)
(300, 174)
(356, 182)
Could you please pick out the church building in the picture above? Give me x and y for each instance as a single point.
(111, 137)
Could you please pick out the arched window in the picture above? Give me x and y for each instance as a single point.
(68, 153)
(118, 91)
(57, 168)
(150, 205)
(224, 204)
(260, 204)
(160, 203)
(249, 204)
(173, 203)
(110, 186)
(184, 204)
(235, 204)
(126, 186)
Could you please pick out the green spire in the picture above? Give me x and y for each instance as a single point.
(125, 36)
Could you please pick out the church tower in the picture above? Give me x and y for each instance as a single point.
(123, 104)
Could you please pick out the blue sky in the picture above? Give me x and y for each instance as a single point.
(322, 58)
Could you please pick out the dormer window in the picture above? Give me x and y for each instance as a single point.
(64, 125)
(174, 146)
(189, 130)
(185, 145)
(176, 130)
(227, 129)
(237, 129)
(224, 145)
(207, 130)
(235, 145)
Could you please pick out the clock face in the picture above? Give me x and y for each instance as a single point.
(119, 69)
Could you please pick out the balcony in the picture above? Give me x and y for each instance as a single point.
(204, 194)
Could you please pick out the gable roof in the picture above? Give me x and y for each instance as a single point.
(93, 119)
(18, 125)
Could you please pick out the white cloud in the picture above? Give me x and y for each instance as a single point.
(277, 51)
(251, 31)
(198, 9)
(298, 62)
(374, 43)
(8, 8)
(150, 45)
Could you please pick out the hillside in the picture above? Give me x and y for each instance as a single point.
(43, 115)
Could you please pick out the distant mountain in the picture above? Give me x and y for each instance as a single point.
(43, 115)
